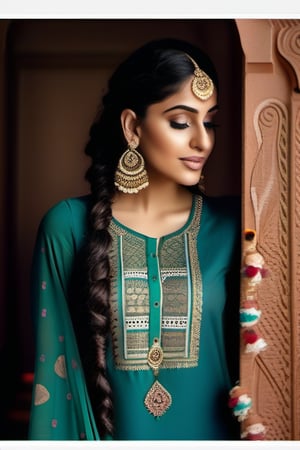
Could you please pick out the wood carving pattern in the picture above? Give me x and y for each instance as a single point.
(269, 195)
(295, 213)
(288, 44)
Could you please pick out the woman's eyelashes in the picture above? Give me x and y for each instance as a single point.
(210, 125)
(179, 125)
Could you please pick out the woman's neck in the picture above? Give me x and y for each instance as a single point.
(154, 211)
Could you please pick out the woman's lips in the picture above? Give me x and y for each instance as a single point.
(193, 162)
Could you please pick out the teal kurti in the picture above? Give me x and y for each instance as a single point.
(173, 290)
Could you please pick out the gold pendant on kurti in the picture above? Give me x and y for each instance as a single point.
(158, 399)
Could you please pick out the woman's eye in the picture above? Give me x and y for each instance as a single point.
(210, 125)
(179, 125)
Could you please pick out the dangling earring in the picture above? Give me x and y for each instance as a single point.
(201, 184)
(131, 176)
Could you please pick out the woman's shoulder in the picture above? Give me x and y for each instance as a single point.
(224, 211)
(226, 205)
(221, 219)
(66, 214)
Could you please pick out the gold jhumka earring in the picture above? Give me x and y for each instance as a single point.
(131, 176)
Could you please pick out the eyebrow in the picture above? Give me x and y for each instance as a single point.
(190, 109)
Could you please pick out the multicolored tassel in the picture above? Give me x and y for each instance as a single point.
(254, 429)
(240, 402)
(253, 271)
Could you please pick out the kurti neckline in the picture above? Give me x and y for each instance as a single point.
(195, 201)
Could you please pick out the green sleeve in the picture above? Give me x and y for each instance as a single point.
(60, 405)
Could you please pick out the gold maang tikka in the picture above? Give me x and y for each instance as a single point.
(202, 84)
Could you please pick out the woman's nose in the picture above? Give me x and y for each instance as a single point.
(202, 138)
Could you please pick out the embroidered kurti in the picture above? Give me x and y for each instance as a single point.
(170, 290)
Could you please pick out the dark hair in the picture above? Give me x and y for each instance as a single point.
(149, 75)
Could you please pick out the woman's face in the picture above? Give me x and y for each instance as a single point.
(177, 136)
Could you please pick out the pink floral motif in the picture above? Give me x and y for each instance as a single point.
(61, 338)
(54, 423)
(69, 396)
(82, 435)
(43, 250)
(74, 364)
(44, 312)
(42, 358)
(44, 285)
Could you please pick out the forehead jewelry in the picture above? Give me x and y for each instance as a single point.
(202, 84)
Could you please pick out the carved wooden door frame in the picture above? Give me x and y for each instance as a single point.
(270, 331)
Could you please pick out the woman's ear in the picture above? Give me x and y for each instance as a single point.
(129, 124)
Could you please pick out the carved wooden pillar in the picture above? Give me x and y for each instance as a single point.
(271, 184)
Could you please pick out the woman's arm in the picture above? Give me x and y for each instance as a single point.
(60, 404)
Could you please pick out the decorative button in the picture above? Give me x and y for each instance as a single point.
(155, 356)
